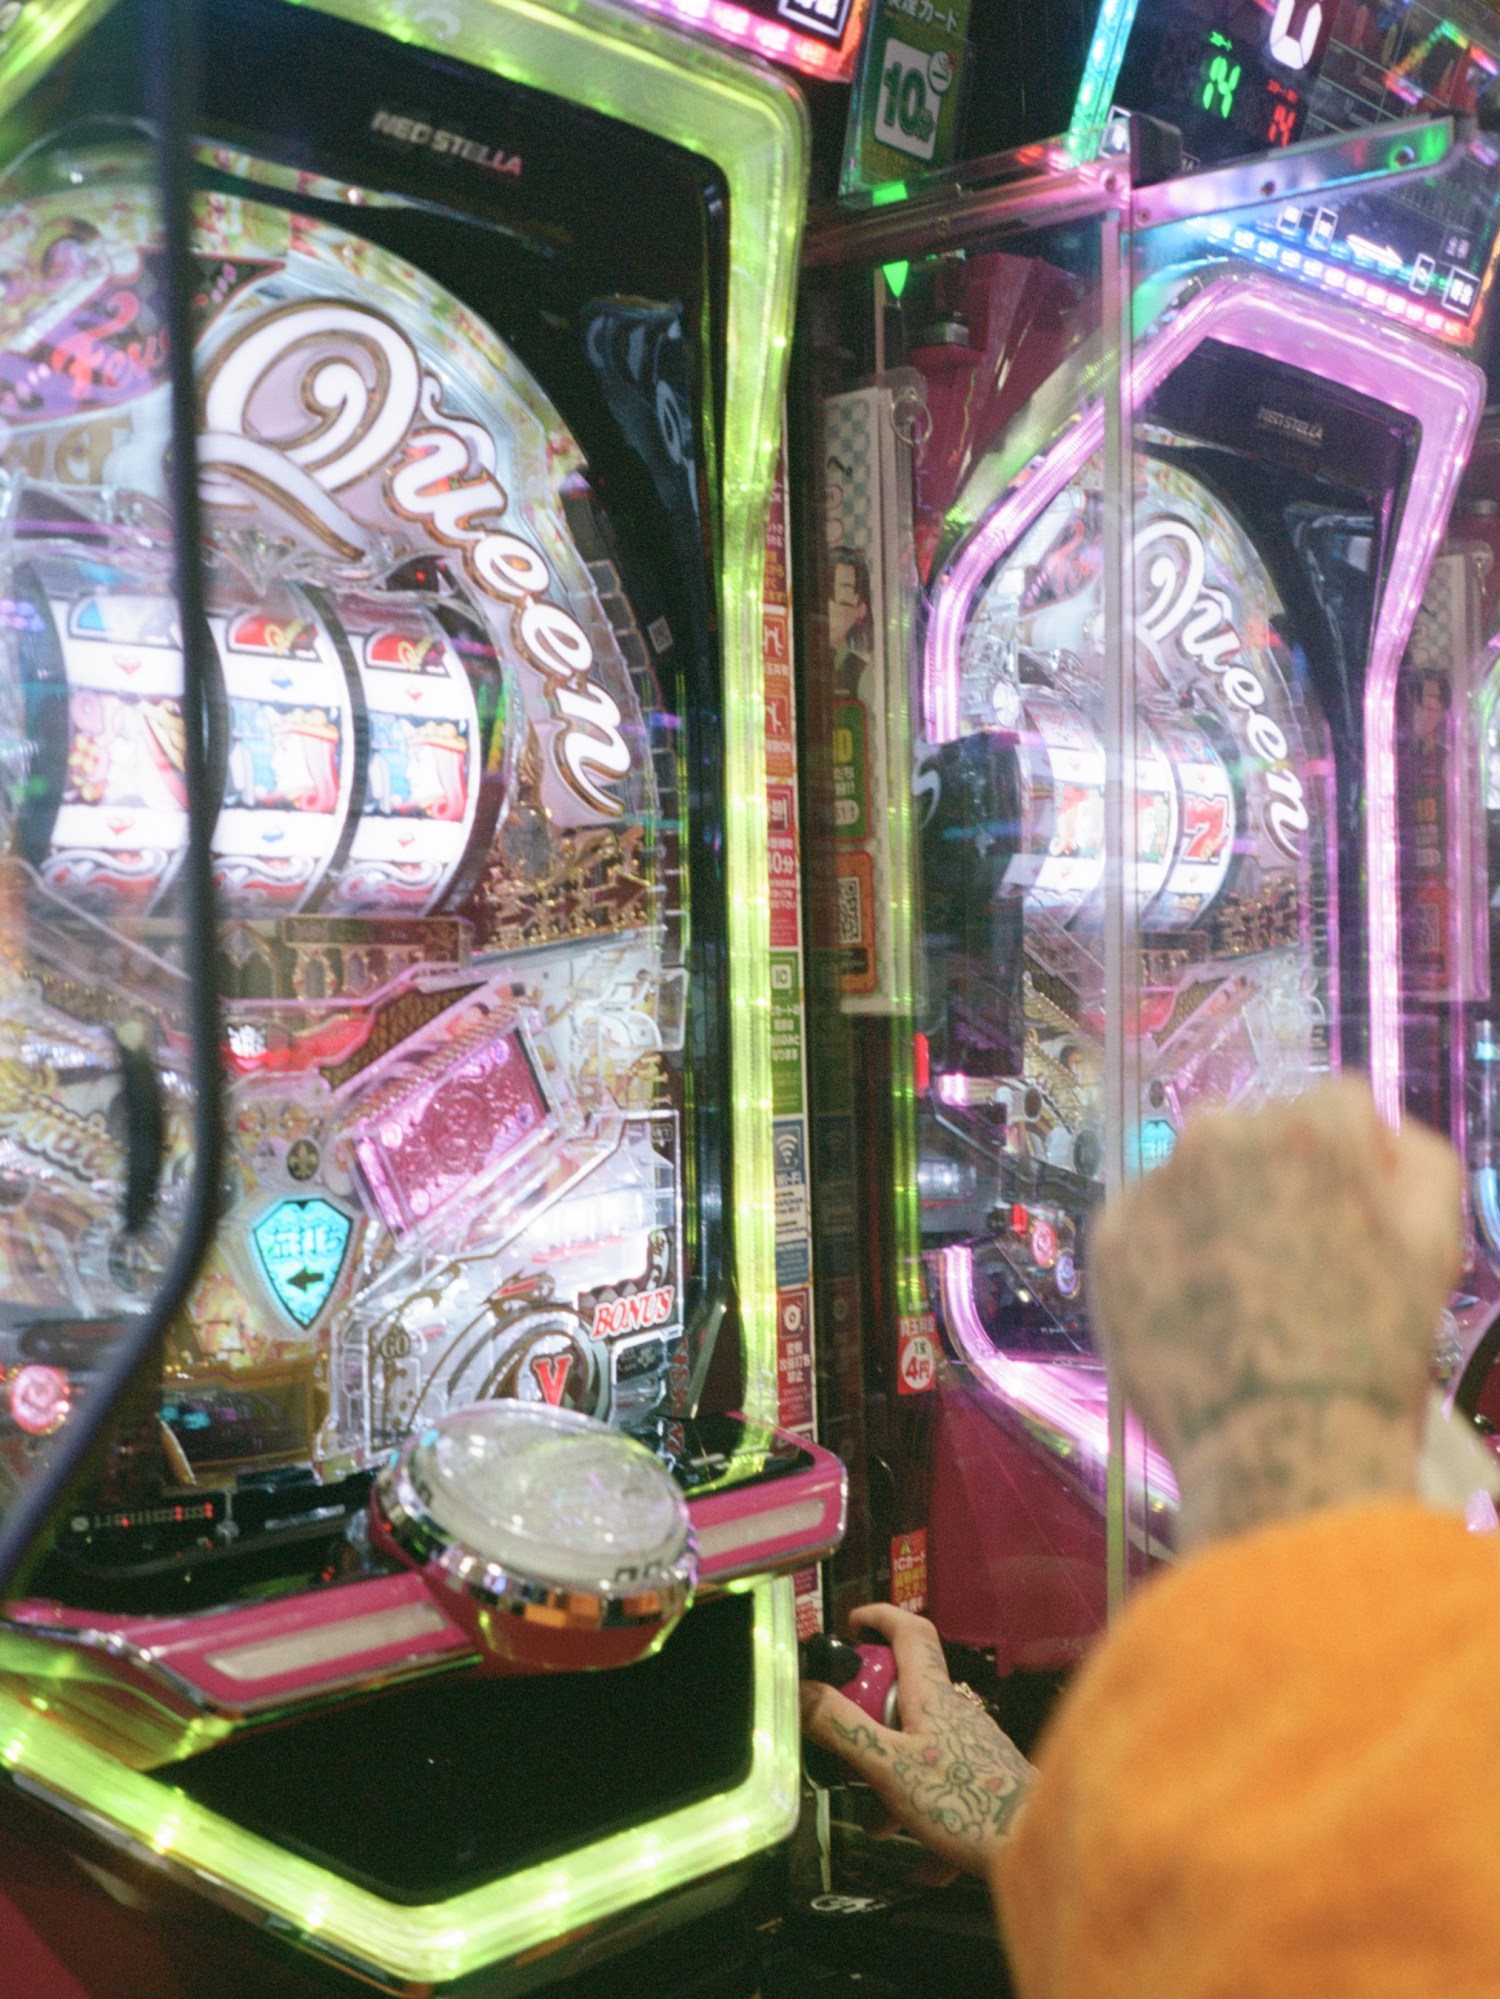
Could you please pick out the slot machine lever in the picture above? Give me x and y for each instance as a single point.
(710, 1327)
(864, 1674)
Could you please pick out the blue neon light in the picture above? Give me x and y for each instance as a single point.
(1101, 73)
(1158, 1143)
(301, 1246)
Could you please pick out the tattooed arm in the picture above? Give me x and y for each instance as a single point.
(1269, 1297)
(948, 1774)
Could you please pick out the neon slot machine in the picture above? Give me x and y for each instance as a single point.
(389, 422)
(1148, 613)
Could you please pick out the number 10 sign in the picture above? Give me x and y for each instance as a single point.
(906, 100)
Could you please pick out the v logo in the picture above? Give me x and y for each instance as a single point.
(552, 1371)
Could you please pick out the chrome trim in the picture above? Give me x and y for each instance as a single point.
(1388, 153)
(402, 1520)
(945, 217)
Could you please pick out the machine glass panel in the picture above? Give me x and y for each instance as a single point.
(463, 754)
(1198, 780)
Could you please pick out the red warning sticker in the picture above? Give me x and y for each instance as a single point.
(909, 1570)
(916, 1353)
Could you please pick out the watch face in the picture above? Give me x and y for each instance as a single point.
(1234, 76)
(550, 1496)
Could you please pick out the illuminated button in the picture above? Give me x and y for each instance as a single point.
(1044, 1245)
(39, 1400)
(549, 1494)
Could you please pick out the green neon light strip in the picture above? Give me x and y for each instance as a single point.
(443, 1940)
(906, 1206)
(752, 126)
(40, 36)
(1102, 72)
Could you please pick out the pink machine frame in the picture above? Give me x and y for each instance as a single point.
(255, 1661)
(1389, 364)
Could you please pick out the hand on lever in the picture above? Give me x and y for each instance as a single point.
(948, 1774)
(1270, 1296)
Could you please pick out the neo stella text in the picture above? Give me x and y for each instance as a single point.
(414, 132)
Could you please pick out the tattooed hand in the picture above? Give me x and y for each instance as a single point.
(948, 1774)
(1270, 1296)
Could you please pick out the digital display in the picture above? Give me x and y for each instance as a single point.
(1422, 250)
(1234, 76)
(1419, 253)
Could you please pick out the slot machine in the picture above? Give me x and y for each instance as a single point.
(1233, 79)
(1148, 654)
(388, 437)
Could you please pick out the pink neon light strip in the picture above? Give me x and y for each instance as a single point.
(1069, 1402)
(1443, 392)
(831, 62)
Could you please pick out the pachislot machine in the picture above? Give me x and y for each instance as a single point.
(1147, 649)
(388, 426)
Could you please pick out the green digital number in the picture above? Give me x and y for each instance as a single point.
(1222, 83)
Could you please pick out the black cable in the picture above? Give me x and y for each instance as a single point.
(170, 73)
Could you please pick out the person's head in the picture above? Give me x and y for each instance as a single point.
(849, 601)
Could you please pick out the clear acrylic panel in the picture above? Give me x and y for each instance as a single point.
(466, 748)
(961, 681)
(1200, 717)
(1314, 507)
(97, 1126)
